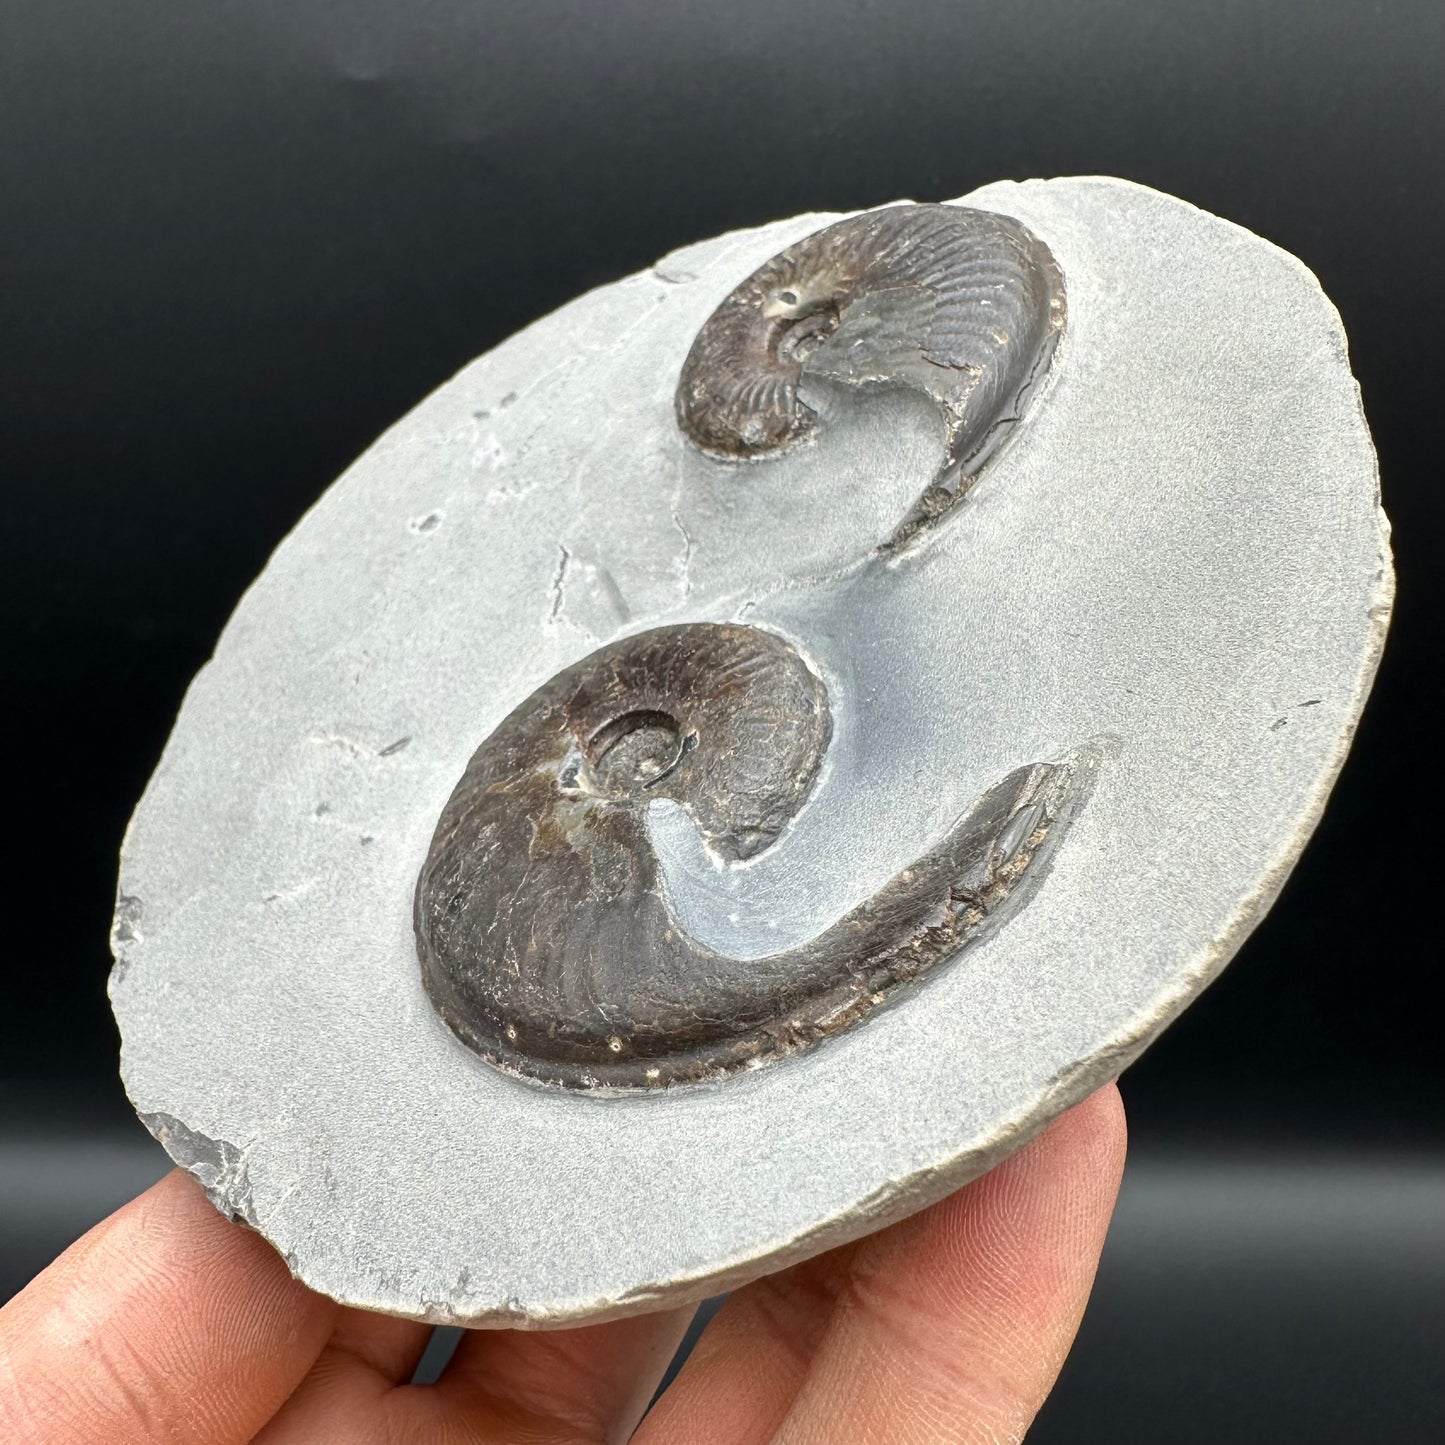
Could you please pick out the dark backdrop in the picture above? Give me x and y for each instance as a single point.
(238, 240)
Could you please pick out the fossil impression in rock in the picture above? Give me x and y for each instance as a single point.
(752, 748)
(546, 940)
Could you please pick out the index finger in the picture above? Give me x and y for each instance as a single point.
(165, 1323)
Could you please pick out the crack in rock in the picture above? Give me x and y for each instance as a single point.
(559, 583)
(357, 748)
(682, 566)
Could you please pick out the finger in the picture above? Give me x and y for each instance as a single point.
(350, 1394)
(953, 1326)
(380, 1348)
(522, 1388)
(746, 1369)
(589, 1383)
(893, 1337)
(165, 1323)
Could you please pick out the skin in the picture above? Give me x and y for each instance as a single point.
(167, 1323)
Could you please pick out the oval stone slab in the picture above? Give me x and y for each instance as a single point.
(1177, 567)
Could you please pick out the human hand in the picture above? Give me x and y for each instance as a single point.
(166, 1323)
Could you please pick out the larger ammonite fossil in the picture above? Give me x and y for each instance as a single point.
(544, 934)
(905, 652)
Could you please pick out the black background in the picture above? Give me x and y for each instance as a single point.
(238, 240)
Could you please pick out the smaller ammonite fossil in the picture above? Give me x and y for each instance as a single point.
(542, 924)
(963, 305)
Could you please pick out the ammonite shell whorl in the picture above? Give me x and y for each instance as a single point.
(963, 305)
(544, 932)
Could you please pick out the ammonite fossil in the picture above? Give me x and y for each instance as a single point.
(963, 305)
(545, 936)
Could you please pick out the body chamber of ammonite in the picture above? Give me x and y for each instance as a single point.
(740, 757)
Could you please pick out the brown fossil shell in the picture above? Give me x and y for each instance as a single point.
(544, 932)
(963, 305)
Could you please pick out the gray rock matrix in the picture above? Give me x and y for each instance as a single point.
(1177, 565)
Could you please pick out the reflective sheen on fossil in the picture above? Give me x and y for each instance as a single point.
(544, 932)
